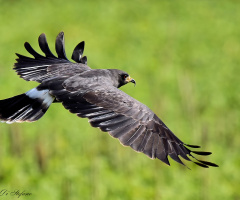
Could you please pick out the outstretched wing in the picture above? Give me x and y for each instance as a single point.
(41, 67)
(125, 118)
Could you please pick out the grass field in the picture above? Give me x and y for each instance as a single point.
(185, 58)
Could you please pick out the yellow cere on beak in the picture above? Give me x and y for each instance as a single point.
(129, 79)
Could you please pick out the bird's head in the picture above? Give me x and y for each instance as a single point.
(121, 78)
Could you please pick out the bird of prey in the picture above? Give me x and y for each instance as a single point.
(93, 94)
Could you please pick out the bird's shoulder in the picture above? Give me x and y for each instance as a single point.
(92, 79)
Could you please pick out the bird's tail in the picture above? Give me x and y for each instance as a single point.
(28, 107)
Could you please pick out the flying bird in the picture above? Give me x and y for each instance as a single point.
(93, 94)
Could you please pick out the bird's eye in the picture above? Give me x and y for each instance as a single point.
(125, 76)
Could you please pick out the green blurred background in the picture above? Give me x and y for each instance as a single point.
(185, 57)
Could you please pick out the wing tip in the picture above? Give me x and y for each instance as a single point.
(78, 52)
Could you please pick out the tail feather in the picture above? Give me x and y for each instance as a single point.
(29, 106)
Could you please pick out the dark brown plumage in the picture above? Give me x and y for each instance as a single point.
(94, 94)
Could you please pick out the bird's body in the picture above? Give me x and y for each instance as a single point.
(91, 93)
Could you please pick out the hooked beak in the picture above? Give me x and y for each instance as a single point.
(129, 79)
